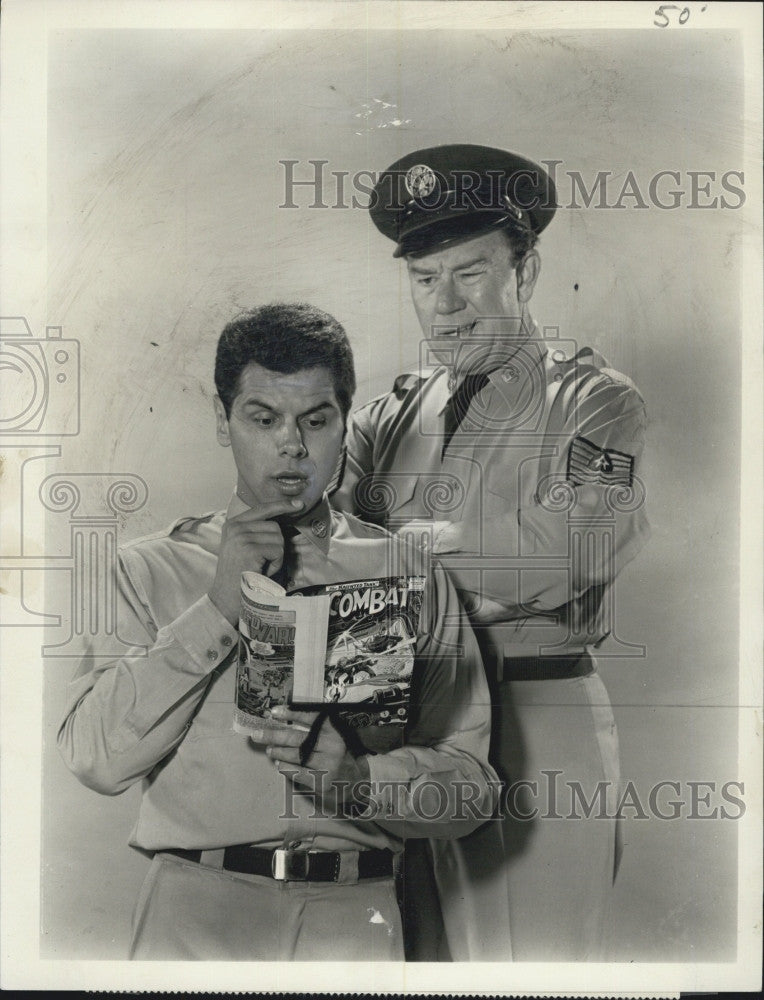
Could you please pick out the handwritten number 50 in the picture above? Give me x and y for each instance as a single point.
(684, 14)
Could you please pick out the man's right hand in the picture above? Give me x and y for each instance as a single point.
(249, 542)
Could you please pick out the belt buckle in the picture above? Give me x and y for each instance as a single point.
(284, 867)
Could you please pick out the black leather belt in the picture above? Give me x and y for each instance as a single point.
(546, 668)
(296, 866)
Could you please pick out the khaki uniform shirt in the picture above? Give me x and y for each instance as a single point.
(163, 713)
(536, 503)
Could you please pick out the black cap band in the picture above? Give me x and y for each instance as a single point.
(432, 236)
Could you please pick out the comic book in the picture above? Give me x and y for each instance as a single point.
(278, 637)
(349, 645)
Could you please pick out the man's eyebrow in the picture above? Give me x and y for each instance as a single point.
(327, 405)
(470, 263)
(256, 404)
(419, 269)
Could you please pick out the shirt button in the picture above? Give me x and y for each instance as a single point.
(226, 640)
(212, 654)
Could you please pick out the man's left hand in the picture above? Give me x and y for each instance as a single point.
(331, 771)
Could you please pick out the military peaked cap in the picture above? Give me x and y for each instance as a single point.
(436, 196)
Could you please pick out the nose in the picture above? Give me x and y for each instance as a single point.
(449, 300)
(291, 443)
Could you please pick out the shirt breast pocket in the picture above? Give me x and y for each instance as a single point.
(510, 482)
(499, 496)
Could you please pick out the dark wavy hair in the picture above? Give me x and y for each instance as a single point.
(284, 337)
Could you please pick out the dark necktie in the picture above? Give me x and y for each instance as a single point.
(459, 403)
(286, 571)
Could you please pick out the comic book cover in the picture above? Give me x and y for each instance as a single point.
(370, 648)
(349, 645)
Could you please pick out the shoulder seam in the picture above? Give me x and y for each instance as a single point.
(164, 532)
(382, 396)
(590, 374)
(373, 529)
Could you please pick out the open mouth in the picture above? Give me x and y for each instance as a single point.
(456, 331)
(291, 482)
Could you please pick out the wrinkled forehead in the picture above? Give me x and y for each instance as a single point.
(491, 248)
(285, 391)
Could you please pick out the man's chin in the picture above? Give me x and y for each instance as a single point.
(271, 495)
(309, 499)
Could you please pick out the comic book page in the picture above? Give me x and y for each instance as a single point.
(279, 638)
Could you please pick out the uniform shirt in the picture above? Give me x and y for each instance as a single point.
(537, 501)
(164, 712)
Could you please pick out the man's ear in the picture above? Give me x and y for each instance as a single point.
(221, 423)
(527, 275)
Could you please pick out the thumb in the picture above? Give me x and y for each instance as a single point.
(272, 566)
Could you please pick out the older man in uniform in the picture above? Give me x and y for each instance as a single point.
(516, 459)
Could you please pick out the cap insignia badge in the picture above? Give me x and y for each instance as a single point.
(420, 181)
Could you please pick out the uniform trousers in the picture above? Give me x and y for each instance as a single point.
(537, 888)
(189, 911)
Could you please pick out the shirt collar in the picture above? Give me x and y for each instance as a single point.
(523, 370)
(315, 524)
(508, 377)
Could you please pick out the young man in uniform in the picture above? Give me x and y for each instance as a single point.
(516, 459)
(259, 853)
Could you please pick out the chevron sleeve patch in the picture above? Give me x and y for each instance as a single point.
(590, 465)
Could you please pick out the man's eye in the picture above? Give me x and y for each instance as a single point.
(315, 422)
(470, 275)
(425, 280)
(263, 421)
